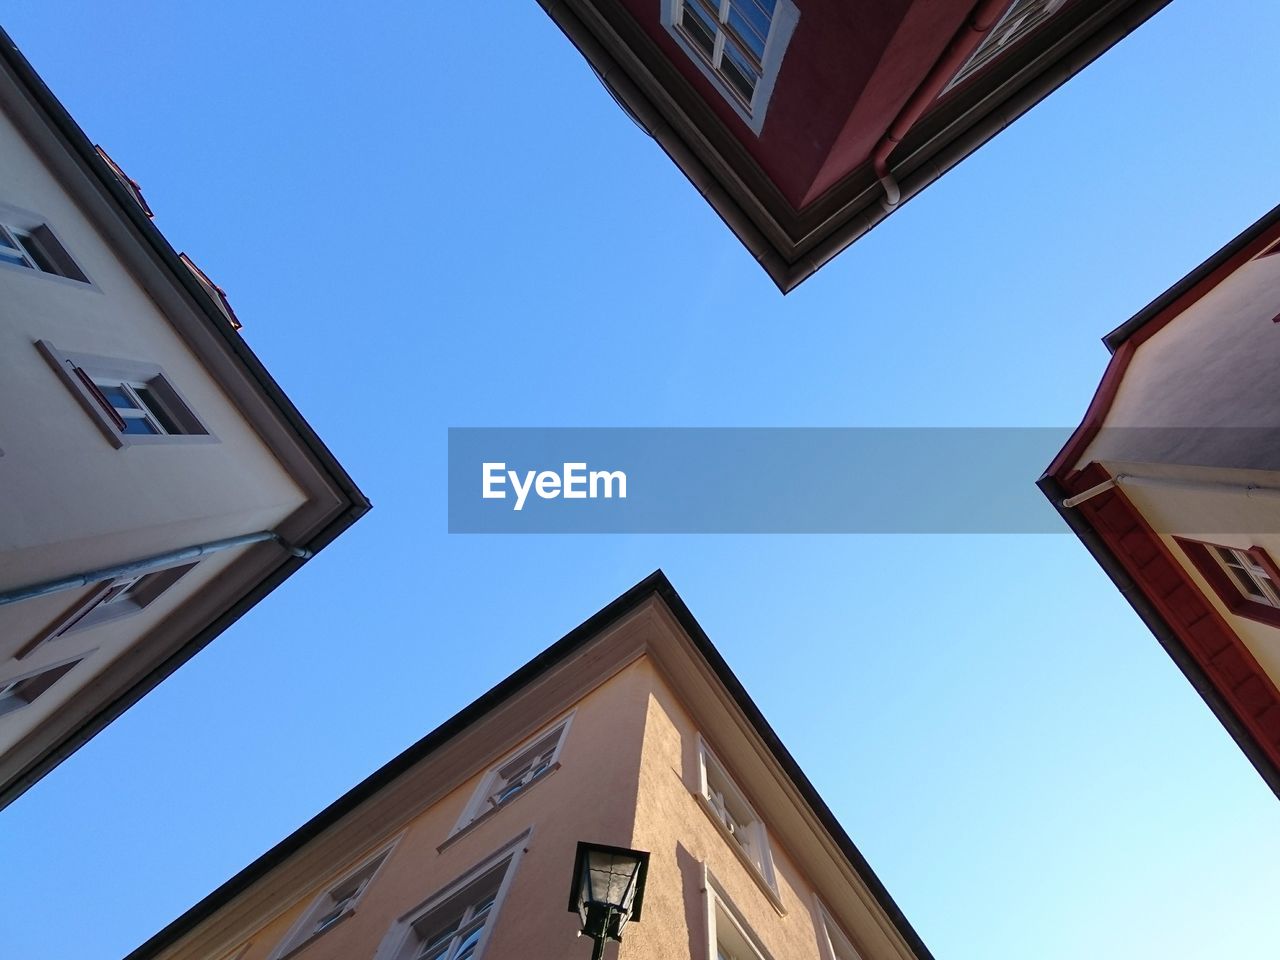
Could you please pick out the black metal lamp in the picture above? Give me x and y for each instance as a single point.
(608, 890)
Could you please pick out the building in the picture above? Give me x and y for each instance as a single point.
(630, 731)
(804, 123)
(1173, 481)
(157, 482)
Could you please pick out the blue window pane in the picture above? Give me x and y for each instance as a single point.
(746, 33)
(5, 242)
(117, 397)
(138, 425)
(15, 258)
(750, 13)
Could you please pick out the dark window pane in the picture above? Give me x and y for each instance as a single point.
(1246, 582)
(157, 410)
(36, 252)
(138, 425)
(697, 29)
(738, 71)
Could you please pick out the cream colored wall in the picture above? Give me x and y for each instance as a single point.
(71, 500)
(96, 647)
(590, 797)
(673, 824)
(1214, 365)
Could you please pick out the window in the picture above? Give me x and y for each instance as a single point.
(1245, 579)
(734, 815)
(835, 944)
(111, 600)
(334, 905)
(131, 402)
(22, 691)
(1019, 20)
(30, 244)
(737, 44)
(509, 778)
(731, 938)
(454, 924)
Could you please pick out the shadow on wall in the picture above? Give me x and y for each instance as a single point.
(694, 916)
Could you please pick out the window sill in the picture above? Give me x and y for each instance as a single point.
(770, 893)
(484, 817)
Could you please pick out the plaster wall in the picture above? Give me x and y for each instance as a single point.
(70, 499)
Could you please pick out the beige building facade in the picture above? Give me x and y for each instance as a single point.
(157, 482)
(630, 731)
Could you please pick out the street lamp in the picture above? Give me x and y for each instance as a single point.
(608, 888)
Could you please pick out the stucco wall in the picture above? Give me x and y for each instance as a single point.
(673, 824)
(590, 797)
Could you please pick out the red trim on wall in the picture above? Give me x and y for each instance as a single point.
(1099, 407)
(1203, 632)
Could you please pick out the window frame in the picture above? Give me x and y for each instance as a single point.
(398, 943)
(304, 932)
(717, 902)
(479, 807)
(831, 930)
(1205, 558)
(762, 868)
(1022, 18)
(10, 703)
(782, 25)
(110, 600)
(81, 374)
(48, 246)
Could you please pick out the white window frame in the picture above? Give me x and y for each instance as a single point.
(756, 851)
(718, 904)
(399, 943)
(109, 601)
(1022, 17)
(31, 239)
(480, 805)
(13, 701)
(84, 375)
(782, 25)
(1268, 590)
(304, 930)
(835, 944)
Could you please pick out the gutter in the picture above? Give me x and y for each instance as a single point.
(147, 564)
(985, 16)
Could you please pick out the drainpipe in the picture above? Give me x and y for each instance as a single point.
(148, 564)
(985, 16)
(1250, 490)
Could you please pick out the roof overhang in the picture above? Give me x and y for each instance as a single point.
(334, 500)
(793, 244)
(649, 620)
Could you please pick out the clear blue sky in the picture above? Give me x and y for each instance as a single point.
(428, 219)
